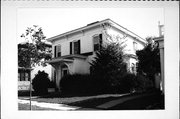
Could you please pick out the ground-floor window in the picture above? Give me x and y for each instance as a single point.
(23, 75)
(64, 70)
(133, 68)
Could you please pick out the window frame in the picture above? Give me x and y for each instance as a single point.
(99, 42)
(72, 48)
(56, 51)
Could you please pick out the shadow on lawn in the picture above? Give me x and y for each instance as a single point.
(135, 101)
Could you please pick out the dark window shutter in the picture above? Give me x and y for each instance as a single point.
(54, 51)
(100, 41)
(70, 47)
(100, 36)
(79, 47)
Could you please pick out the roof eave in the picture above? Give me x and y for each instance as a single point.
(51, 39)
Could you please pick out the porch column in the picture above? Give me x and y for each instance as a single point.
(162, 67)
(160, 40)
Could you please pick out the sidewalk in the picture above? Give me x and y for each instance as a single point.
(62, 107)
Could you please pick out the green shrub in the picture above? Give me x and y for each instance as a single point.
(41, 83)
(143, 83)
(127, 83)
(75, 84)
(78, 84)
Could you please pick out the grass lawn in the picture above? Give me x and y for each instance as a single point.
(91, 103)
(151, 102)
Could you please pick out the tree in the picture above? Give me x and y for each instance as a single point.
(108, 64)
(34, 50)
(149, 59)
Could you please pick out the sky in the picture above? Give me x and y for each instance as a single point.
(55, 21)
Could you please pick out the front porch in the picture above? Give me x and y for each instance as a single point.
(70, 64)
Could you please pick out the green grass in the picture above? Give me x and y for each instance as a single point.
(91, 103)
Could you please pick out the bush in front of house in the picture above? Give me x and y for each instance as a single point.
(134, 83)
(41, 83)
(76, 84)
(143, 83)
(127, 83)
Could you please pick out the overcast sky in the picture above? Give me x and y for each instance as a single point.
(54, 21)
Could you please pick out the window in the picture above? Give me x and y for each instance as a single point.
(133, 68)
(57, 51)
(64, 70)
(75, 47)
(97, 41)
(19, 76)
(135, 46)
(24, 76)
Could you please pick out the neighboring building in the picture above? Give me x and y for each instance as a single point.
(72, 51)
(25, 74)
(160, 41)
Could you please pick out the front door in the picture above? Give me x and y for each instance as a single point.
(64, 70)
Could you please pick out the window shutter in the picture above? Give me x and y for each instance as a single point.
(70, 47)
(100, 38)
(100, 41)
(79, 47)
(54, 51)
(58, 50)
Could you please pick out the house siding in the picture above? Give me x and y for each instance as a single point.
(85, 37)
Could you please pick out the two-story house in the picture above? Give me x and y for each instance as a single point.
(73, 50)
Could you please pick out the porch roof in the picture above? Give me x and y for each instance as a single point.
(67, 58)
(55, 60)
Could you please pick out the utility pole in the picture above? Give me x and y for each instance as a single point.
(30, 89)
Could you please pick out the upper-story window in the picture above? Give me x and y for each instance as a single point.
(133, 68)
(97, 41)
(75, 47)
(57, 51)
(135, 46)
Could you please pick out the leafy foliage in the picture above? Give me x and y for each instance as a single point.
(34, 50)
(109, 64)
(149, 59)
(41, 82)
(77, 84)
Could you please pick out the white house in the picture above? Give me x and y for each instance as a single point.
(72, 51)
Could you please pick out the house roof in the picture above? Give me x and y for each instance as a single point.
(97, 23)
(161, 38)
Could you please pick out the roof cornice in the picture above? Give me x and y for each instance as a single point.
(109, 21)
(77, 30)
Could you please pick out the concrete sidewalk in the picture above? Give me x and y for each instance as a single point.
(62, 107)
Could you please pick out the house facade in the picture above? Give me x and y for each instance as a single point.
(160, 40)
(74, 50)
